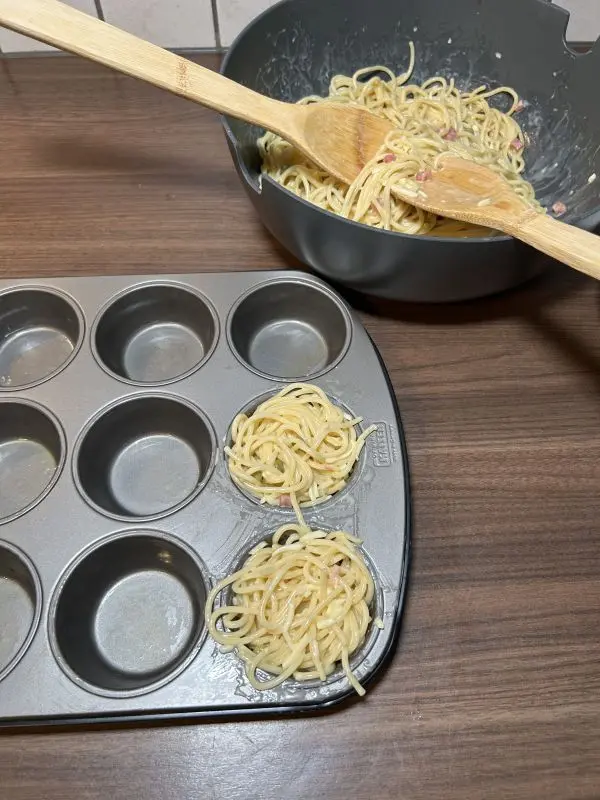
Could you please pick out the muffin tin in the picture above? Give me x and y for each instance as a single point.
(117, 510)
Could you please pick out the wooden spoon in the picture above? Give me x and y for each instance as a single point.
(340, 139)
(472, 193)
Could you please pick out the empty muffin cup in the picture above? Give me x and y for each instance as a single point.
(155, 334)
(289, 329)
(40, 332)
(32, 453)
(20, 606)
(144, 457)
(128, 615)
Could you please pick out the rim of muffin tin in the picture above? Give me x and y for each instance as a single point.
(298, 281)
(57, 425)
(376, 610)
(70, 569)
(286, 511)
(184, 287)
(122, 400)
(38, 600)
(74, 305)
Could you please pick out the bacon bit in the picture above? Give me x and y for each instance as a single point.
(423, 175)
(451, 135)
(559, 208)
(517, 144)
(285, 501)
(388, 158)
(519, 107)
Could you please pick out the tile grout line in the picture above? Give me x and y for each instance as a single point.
(99, 9)
(217, 28)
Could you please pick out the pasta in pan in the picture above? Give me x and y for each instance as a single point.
(430, 119)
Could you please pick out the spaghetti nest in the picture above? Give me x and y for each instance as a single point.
(297, 448)
(298, 607)
(430, 119)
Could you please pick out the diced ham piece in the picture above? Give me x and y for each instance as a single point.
(517, 144)
(388, 158)
(519, 107)
(559, 208)
(451, 135)
(285, 501)
(423, 175)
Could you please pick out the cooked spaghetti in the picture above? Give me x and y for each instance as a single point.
(430, 120)
(298, 607)
(296, 449)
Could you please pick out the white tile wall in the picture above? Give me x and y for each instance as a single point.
(190, 23)
(584, 25)
(236, 14)
(11, 42)
(169, 23)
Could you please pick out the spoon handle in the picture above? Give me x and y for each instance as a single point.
(68, 29)
(573, 246)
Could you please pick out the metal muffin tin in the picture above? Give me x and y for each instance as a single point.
(117, 511)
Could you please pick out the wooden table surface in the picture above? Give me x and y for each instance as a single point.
(494, 690)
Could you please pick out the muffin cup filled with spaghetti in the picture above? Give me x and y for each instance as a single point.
(296, 449)
(299, 607)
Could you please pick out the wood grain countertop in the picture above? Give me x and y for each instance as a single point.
(494, 690)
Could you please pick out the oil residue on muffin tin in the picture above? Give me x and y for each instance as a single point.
(117, 511)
